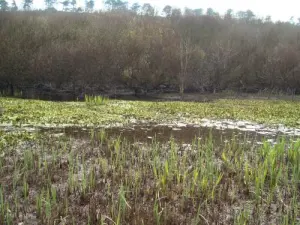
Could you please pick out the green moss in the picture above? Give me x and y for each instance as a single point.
(36, 112)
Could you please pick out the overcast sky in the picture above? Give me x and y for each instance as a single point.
(277, 9)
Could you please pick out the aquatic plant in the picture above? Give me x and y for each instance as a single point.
(98, 111)
(91, 100)
(110, 180)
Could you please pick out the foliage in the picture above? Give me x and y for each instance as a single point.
(27, 4)
(89, 5)
(118, 5)
(14, 6)
(136, 49)
(3, 5)
(95, 100)
(103, 112)
(50, 3)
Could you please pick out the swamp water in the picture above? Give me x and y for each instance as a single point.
(68, 177)
(221, 131)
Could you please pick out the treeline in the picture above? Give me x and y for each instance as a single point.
(190, 51)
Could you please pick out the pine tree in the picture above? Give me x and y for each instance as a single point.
(73, 3)
(116, 4)
(27, 4)
(3, 5)
(229, 14)
(89, 5)
(14, 6)
(167, 10)
(135, 7)
(50, 3)
(198, 12)
(65, 4)
(148, 9)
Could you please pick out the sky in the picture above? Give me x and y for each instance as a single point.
(277, 9)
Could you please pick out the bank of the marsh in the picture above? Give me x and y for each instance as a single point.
(112, 112)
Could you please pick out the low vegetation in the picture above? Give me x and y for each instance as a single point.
(108, 180)
(98, 111)
(95, 100)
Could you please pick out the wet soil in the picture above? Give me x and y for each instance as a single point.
(161, 96)
(160, 133)
(181, 134)
(222, 131)
(64, 164)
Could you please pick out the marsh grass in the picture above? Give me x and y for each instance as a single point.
(91, 100)
(109, 180)
(41, 113)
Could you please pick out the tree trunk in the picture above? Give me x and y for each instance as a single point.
(181, 90)
(12, 89)
(185, 51)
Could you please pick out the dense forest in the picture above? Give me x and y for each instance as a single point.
(80, 50)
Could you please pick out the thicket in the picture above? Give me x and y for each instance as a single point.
(80, 52)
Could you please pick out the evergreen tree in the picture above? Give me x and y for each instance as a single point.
(246, 15)
(3, 5)
(27, 4)
(50, 4)
(148, 9)
(14, 6)
(189, 12)
(198, 12)
(65, 4)
(268, 19)
(176, 12)
(229, 14)
(115, 4)
(249, 15)
(167, 10)
(89, 5)
(136, 7)
(210, 12)
(73, 3)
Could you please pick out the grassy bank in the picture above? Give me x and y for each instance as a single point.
(108, 112)
(105, 180)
